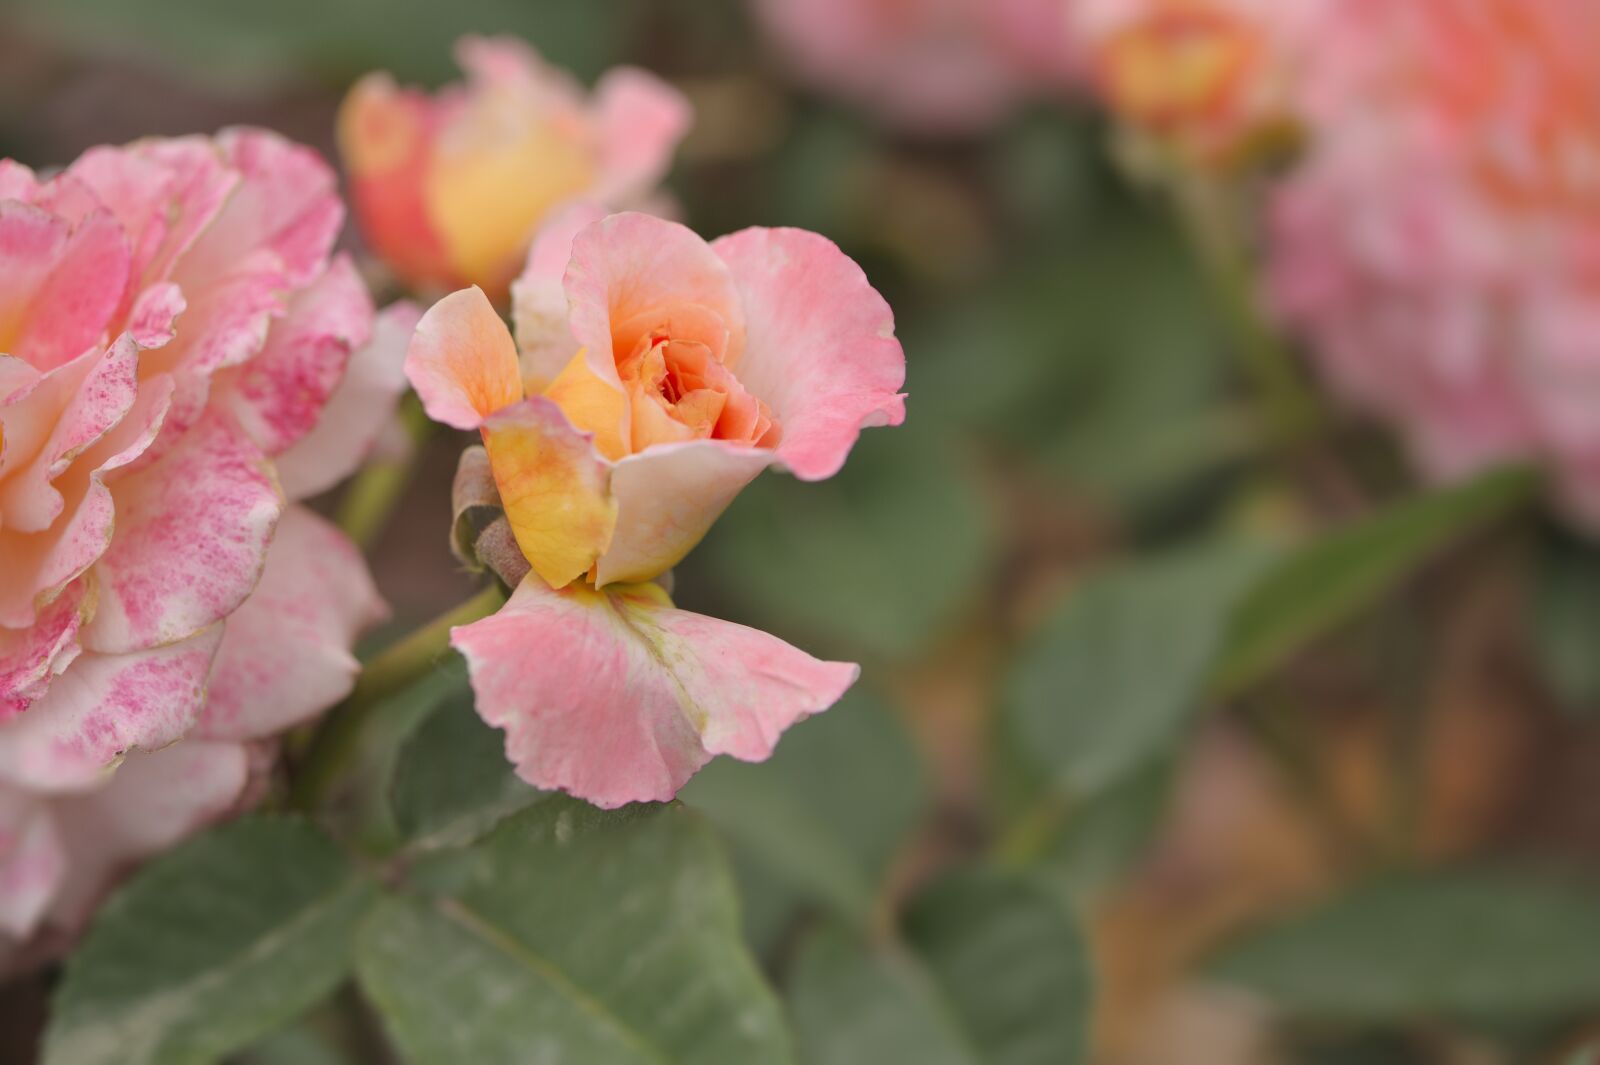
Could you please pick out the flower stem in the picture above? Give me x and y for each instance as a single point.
(1292, 410)
(373, 495)
(339, 739)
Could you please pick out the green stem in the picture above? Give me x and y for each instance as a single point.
(376, 490)
(1292, 410)
(338, 740)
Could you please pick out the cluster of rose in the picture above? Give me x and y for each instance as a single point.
(184, 359)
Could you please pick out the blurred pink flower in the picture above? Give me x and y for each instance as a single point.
(659, 375)
(173, 330)
(933, 66)
(1213, 77)
(449, 189)
(1439, 247)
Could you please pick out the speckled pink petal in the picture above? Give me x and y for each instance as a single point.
(667, 497)
(462, 361)
(357, 413)
(820, 347)
(618, 697)
(286, 653)
(164, 192)
(539, 299)
(87, 398)
(279, 395)
(33, 862)
(287, 204)
(639, 120)
(41, 564)
(59, 283)
(192, 534)
(31, 657)
(102, 707)
(152, 801)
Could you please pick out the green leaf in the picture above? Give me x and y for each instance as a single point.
(878, 560)
(1493, 945)
(572, 934)
(852, 1006)
(1565, 623)
(996, 974)
(825, 814)
(1336, 576)
(209, 948)
(452, 781)
(1110, 680)
(1012, 963)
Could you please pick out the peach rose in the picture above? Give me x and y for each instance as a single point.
(172, 331)
(659, 375)
(449, 189)
(1439, 246)
(934, 66)
(1213, 77)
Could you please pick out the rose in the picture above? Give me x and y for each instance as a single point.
(1436, 246)
(659, 375)
(1216, 78)
(450, 189)
(173, 332)
(935, 66)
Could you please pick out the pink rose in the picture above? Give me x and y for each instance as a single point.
(934, 66)
(173, 332)
(449, 189)
(1213, 77)
(659, 375)
(1439, 247)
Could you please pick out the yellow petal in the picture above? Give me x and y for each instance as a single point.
(593, 405)
(556, 489)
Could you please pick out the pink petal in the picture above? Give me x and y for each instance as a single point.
(617, 697)
(59, 283)
(102, 707)
(628, 265)
(152, 801)
(279, 395)
(87, 398)
(31, 657)
(192, 533)
(462, 361)
(40, 564)
(667, 497)
(285, 654)
(32, 862)
(287, 203)
(820, 347)
(357, 413)
(639, 120)
(539, 300)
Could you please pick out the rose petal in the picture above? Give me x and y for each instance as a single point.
(462, 361)
(32, 862)
(667, 497)
(192, 533)
(102, 707)
(820, 348)
(628, 268)
(278, 396)
(639, 120)
(539, 300)
(555, 488)
(285, 655)
(59, 283)
(153, 800)
(618, 697)
(356, 414)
